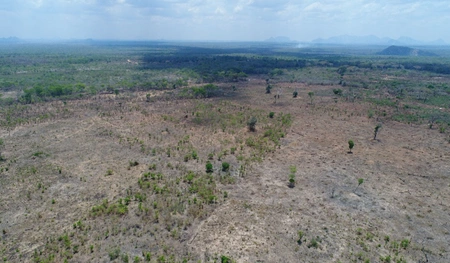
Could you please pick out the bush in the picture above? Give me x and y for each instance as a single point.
(225, 166)
(209, 167)
(351, 144)
(295, 94)
(271, 114)
(252, 124)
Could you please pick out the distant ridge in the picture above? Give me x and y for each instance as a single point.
(9, 40)
(279, 39)
(374, 40)
(405, 51)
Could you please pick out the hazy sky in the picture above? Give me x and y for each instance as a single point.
(223, 20)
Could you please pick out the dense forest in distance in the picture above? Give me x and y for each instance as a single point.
(30, 73)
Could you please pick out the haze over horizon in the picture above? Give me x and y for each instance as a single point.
(235, 20)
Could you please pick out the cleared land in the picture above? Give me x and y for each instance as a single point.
(123, 176)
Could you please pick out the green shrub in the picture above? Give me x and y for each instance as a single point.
(114, 254)
(351, 144)
(404, 243)
(225, 166)
(252, 124)
(209, 167)
(271, 114)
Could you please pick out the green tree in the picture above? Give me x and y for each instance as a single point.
(377, 129)
(337, 92)
(311, 96)
(2, 144)
(293, 170)
(225, 166)
(252, 123)
(209, 167)
(351, 144)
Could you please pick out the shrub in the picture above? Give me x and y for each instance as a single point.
(295, 94)
(293, 170)
(114, 254)
(377, 129)
(360, 181)
(337, 92)
(300, 236)
(225, 166)
(252, 124)
(351, 144)
(271, 114)
(311, 96)
(268, 88)
(404, 243)
(209, 167)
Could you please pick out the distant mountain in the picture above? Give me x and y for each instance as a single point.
(405, 51)
(374, 40)
(9, 40)
(279, 39)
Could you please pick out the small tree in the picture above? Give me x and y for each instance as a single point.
(225, 167)
(295, 94)
(252, 124)
(1, 148)
(271, 114)
(300, 236)
(360, 182)
(268, 88)
(311, 96)
(293, 170)
(351, 144)
(337, 92)
(209, 167)
(377, 129)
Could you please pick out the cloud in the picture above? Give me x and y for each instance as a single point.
(222, 20)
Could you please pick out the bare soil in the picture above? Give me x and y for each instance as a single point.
(56, 170)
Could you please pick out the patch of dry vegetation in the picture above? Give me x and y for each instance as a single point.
(127, 178)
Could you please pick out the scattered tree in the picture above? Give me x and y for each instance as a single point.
(209, 167)
(360, 181)
(293, 170)
(337, 92)
(377, 129)
(1, 147)
(252, 123)
(225, 167)
(300, 236)
(351, 144)
(311, 96)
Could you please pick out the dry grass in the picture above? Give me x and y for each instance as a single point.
(58, 168)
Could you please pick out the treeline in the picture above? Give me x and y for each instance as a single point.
(227, 68)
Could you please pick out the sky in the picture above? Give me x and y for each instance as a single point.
(220, 20)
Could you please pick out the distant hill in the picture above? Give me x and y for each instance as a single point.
(279, 39)
(374, 40)
(405, 51)
(10, 40)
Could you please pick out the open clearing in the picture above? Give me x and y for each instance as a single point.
(85, 151)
